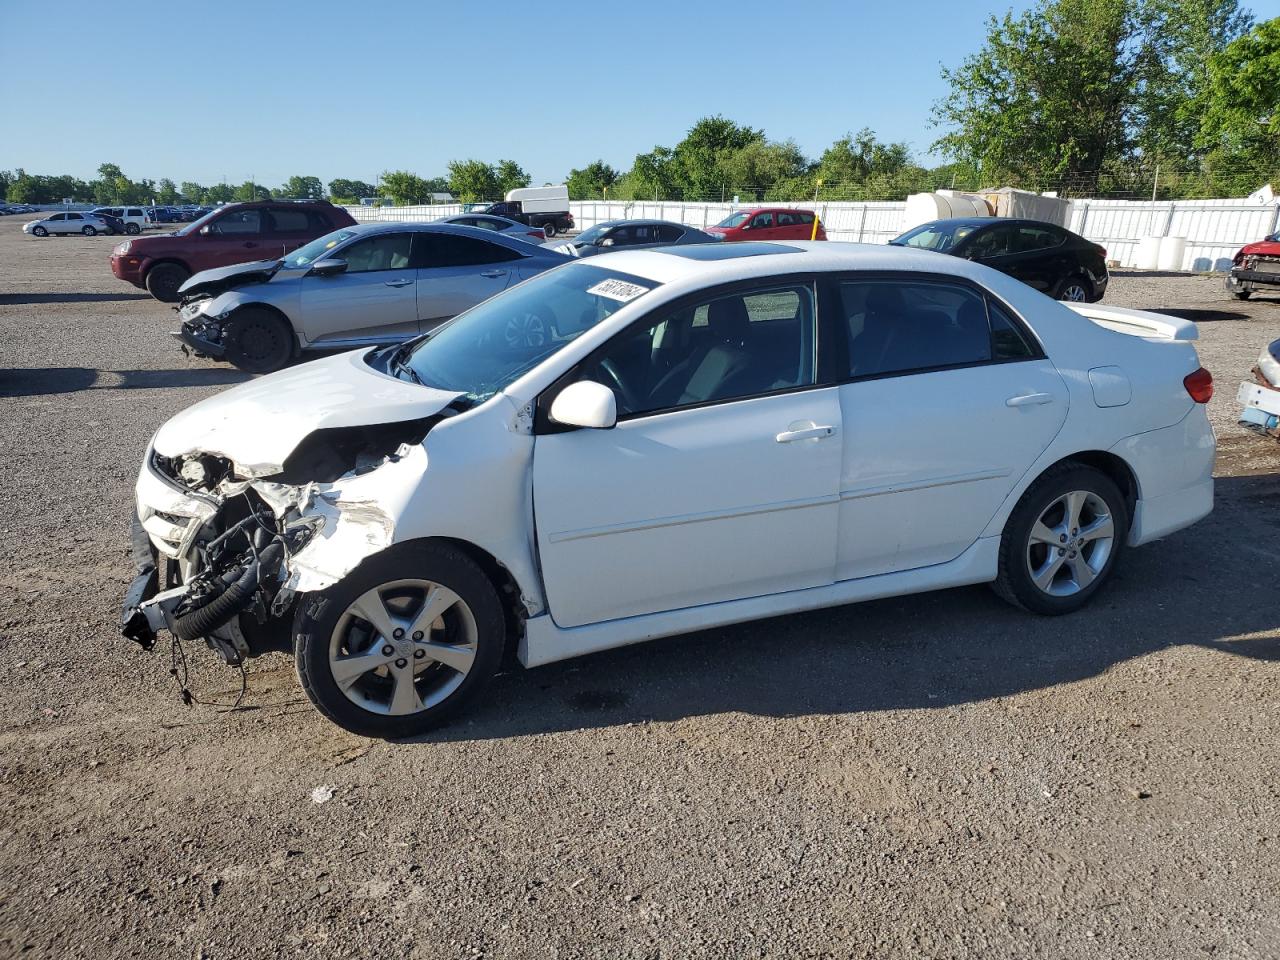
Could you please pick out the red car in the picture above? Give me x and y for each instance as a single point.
(1256, 267)
(768, 223)
(234, 233)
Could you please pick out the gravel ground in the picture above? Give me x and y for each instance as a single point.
(931, 776)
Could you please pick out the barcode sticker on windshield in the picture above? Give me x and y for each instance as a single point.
(617, 290)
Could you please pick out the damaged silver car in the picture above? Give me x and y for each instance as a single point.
(1259, 398)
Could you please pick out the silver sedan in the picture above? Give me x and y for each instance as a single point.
(629, 235)
(372, 283)
(510, 228)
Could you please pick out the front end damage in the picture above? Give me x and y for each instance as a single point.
(224, 549)
(1259, 398)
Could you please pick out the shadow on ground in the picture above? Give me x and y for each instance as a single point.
(1202, 316)
(41, 381)
(17, 298)
(1200, 587)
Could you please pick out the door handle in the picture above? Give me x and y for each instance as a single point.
(249, 244)
(1029, 400)
(397, 283)
(493, 273)
(808, 433)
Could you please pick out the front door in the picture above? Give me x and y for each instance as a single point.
(719, 481)
(949, 402)
(234, 237)
(372, 301)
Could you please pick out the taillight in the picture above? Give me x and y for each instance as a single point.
(1199, 385)
(1103, 252)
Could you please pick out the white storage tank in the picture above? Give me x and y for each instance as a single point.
(1148, 255)
(942, 205)
(1172, 250)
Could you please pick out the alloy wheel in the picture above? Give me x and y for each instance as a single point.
(403, 647)
(526, 330)
(1075, 293)
(1070, 543)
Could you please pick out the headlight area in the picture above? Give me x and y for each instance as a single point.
(202, 331)
(235, 602)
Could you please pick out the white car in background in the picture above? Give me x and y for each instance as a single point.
(711, 434)
(70, 222)
(136, 219)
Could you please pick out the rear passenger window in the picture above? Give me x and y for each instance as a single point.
(290, 221)
(897, 327)
(806, 218)
(449, 250)
(668, 234)
(1008, 342)
(787, 220)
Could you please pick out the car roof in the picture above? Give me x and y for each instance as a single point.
(440, 226)
(986, 222)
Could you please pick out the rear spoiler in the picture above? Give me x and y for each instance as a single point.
(1137, 323)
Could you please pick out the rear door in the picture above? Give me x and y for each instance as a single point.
(287, 228)
(454, 273)
(947, 401)
(372, 301)
(1033, 253)
(788, 226)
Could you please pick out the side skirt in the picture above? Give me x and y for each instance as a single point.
(544, 642)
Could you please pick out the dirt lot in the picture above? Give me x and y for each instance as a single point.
(932, 776)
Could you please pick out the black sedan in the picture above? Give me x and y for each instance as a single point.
(1055, 261)
(628, 235)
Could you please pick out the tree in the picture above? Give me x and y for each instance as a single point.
(699, 159)
(191, 191)
(250, 191)
(219, 193)
(474, 180)
(302, 187)
(1073, 86)
(592, 181)
(654, 176)
(340, 189)
(761, 168)
(167, 192)
(404, 188)
(511, 176)
(6, 180)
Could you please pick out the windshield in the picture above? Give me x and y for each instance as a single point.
(493, 344)
(733, 220)
(588, 237)
(316, 249)
(195, 225)
(934, 236)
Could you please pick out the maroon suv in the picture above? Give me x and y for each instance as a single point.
(234, 233)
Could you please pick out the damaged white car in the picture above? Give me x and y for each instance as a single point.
(1259, 398)
(705, 435)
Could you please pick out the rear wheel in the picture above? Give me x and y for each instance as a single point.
(1062, 540)
(132, 229)
(1241, 294)
(402, 642)
(257, 340)
(89, 231)
(40, 231)
(549, 228)
(1074, 290)
(164, 279)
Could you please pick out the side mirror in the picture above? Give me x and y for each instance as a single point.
(585, 404)
(329, 268)
(205, 231)
(606, 242)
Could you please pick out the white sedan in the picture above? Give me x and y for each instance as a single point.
(71, 222)
(707, 435)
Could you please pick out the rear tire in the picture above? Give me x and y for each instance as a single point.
(89, 232)
(549, 229)
(1074, 289)
(257, 340)
(1241, 294)
(164, 279)
(336, 626)
(132, 229)
(1062, 540)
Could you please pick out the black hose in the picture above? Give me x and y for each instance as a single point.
(235, 598)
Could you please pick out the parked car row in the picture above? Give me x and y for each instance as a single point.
(635, 445)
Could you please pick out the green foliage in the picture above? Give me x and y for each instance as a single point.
(219, 193)
(250, 191)
(762, 169)
(191, 191)
(403, 187)
(298, 188)
(1240, 106)
(166, 192)
(511, 176)
(352, 190)
(591, 182)
(471, 180)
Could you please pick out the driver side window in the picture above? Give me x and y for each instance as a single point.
(735, 346)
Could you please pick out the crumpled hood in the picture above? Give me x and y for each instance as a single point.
(256, 425)
(224, 278)
(1262, 248)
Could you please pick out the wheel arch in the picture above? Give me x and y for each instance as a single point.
(160, 261)
(1114, 467)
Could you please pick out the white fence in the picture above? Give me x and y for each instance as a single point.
(1214, 229)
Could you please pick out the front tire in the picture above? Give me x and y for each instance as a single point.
(164, 279)
(549, 230)
(257, 340)
(402, 642)
(40, 231)
(1062, 540)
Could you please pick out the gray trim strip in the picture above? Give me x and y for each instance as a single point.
(859, 493)
(588, 532)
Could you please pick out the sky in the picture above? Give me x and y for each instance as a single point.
(255, 89)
